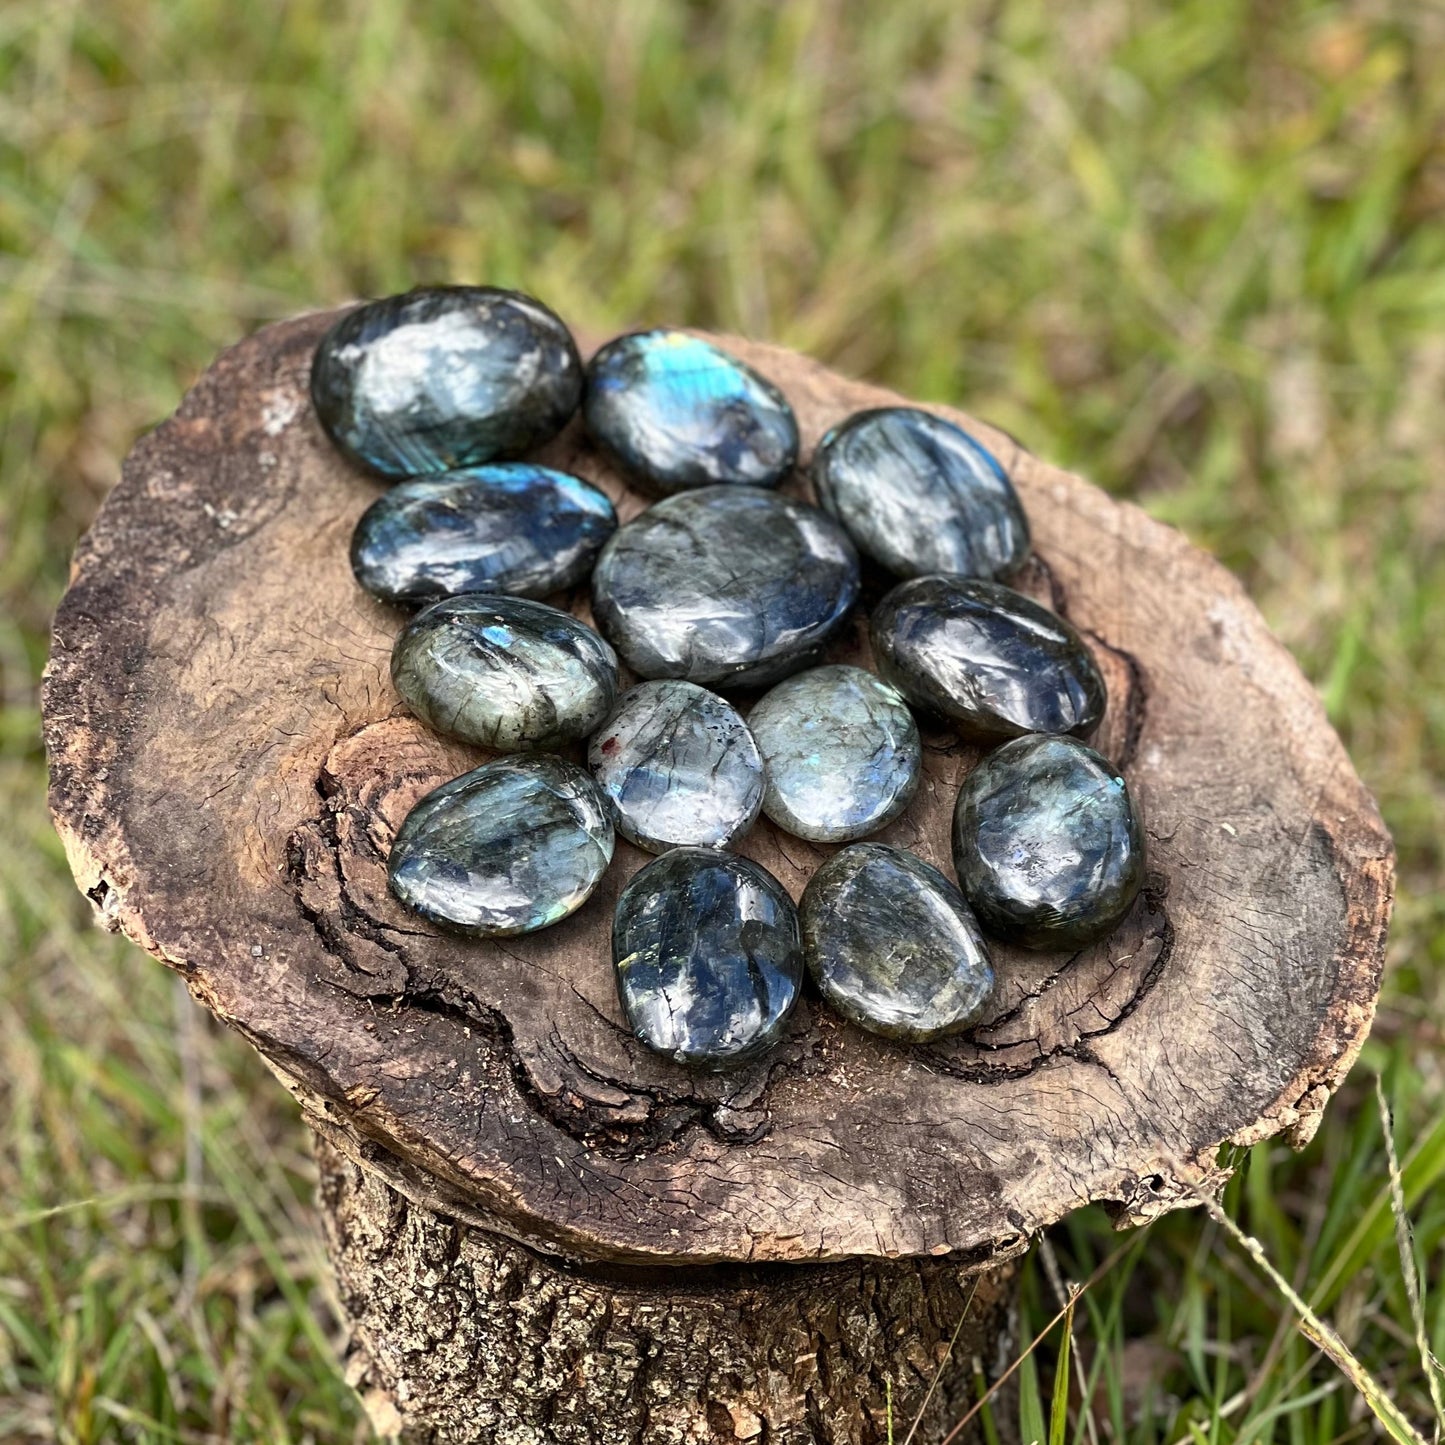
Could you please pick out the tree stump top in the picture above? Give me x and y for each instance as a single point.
(229, 763)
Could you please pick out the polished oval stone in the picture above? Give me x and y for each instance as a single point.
(708, 957)
(990, 660)
(509, 527)
(892, 944)
(678, 766)
(505, 673)
(678, 412)
(510, 847)
(444, 377)
(841, 751)
(919, 494)
(727, 585)
(1047, 843)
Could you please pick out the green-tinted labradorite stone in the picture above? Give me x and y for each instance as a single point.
(1047, 843)
(892, 944)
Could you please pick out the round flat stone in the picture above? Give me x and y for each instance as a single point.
(841, 752)
(726, 585)
(508, 527)
(992, 661)
(1047, 843)
(444, 377)
(505, 673)
(678, 766)
(511, 847)
(892, 945)
(708, 958)
(919, 494)
(678, 412)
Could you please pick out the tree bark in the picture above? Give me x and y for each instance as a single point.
(229, 764)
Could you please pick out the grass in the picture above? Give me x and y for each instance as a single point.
(1193, 248)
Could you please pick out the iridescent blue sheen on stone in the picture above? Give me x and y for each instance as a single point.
(919, 494)
(730, 586)
(708, 957)
(677, 412)
(841, 751)
(678, 767)
(893, 946)
(506, 673)
(444, 377)
(508, 527)
(511, 847)
(990, 660)
(1047, 843)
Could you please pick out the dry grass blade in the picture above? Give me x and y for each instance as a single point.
(942, 1366)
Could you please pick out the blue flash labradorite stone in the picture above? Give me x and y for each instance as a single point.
(1047, 843)
(677, 412)
(509, 527)
(444, 377)
(892, 945)
(727, 585)
(920, 495)
(989, 659)
(678, 766)
(505, 673)
(708, 957)
(841, 751)
(508, 848)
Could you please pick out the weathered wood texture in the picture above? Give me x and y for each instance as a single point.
(229, 761)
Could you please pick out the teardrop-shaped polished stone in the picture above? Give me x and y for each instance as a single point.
(727, 585)
(509, 847)
(444, 377)
(708, 957)
(505, 673)
(678, 766)
(989, 659)
(678, 412)
(509, 527)
(920, 495)
(841, 751)
(892, 944)
(1047, 843)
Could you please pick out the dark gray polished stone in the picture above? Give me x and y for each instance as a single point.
(708, 957)
(841, 751)
(892, 944)
(444, 377)
(727, 585)
(678, 766)
(508, 527)
(1047, 843)
(919, 494)
(989, 659)
(505, 673)
(511, 847)
(678, 412)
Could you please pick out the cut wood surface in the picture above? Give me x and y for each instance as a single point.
(229, 762)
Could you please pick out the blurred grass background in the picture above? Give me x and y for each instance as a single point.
(1192, 248)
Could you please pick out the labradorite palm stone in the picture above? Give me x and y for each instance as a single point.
(678, 766)
(511, 847)
(1047, 843)
(506, 673)
(729, 586)
(444, 377)
(918, 494)
(841, 751)
(508, 527)
(993, 662)
(678, 412)
(893, 946)
(708, 957)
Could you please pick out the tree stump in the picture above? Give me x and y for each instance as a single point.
(542, 1232)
